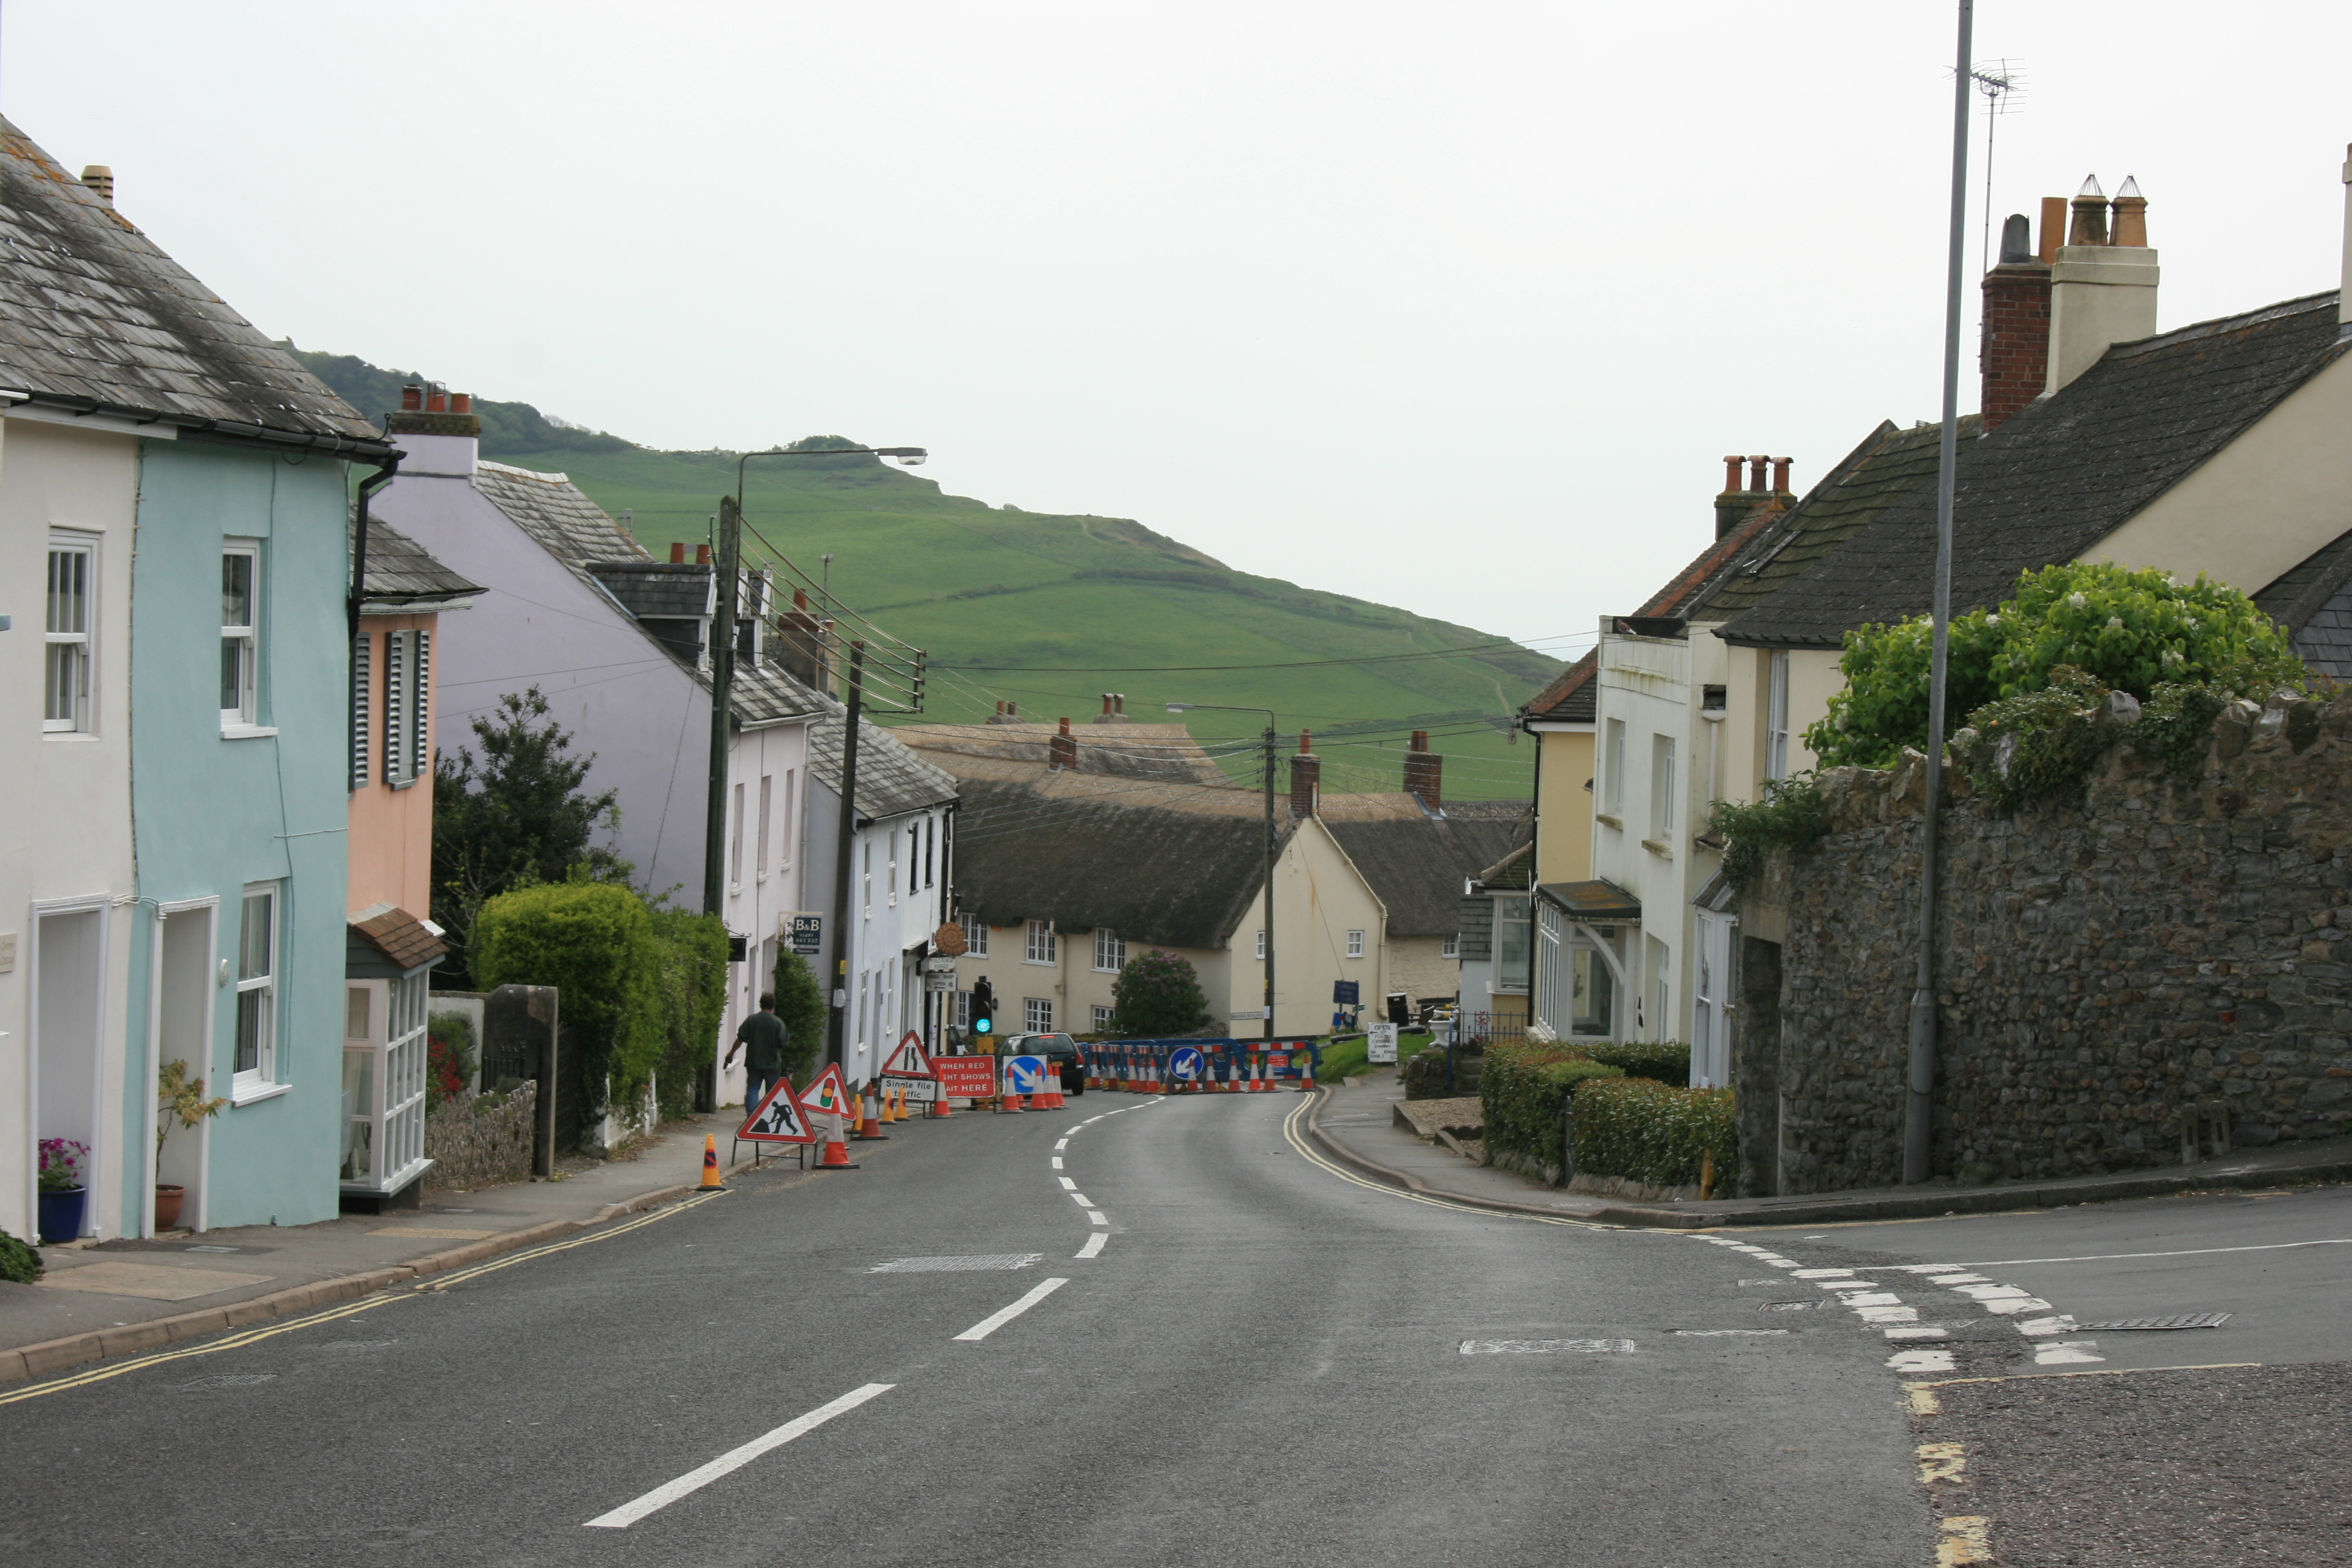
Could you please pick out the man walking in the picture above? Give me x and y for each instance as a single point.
(760, 1038)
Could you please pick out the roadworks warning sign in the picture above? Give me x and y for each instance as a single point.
(909, 1060)
(779, 1119)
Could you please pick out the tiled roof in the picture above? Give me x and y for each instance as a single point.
(657, 589)
(765, 694)
(559, 515)
(1516, 869)
(1416, 863)
(2051, 483)
(399, 570)
(2314, 601)
(892, 779)
(1684, 588)
(1127, 750)
(1175, 864)
(1571, 698)
(399, 936)
(1890, 463)
(94, 315)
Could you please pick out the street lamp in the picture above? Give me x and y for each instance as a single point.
(1223, 707)
(723, 684)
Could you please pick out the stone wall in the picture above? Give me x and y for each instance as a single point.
(474, 1144)
(2155, 969)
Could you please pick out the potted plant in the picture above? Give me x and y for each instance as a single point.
(63, 1193)
(183, 1098)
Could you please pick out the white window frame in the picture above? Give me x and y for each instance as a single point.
(246, 714)
(74, 648)
(1511, 974)
(1261, 946)
(1355, 944)
(393, 1064)
(1613, 768)
(1103, 1018)
(1110, 952)
(975, 936)
(735, 842)
(930, 842)
(767, 801)
(1776, 714)
(1043, 946)
(1451, 948)
(865, 883)
(1663, 814)
(1037, 1015)
(246, 1082)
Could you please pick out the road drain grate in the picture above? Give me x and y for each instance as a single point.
(957, 1264)
(1546, 1347)
(232, 1379)
(2186, 1320)
(1789, 1306)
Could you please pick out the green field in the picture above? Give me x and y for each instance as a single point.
(1082, 604)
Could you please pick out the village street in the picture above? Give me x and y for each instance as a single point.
(1251, 1356)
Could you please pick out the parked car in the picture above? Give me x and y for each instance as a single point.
(1059, 1050)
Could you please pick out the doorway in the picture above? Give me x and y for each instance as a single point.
(68, 1021)
(182, 1025)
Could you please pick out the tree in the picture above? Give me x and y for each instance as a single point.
(2127, 630)
(800, 1003)
(515, 817)
(1157, 995)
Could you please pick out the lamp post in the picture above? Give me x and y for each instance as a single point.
(1222, 708)
(723, 684)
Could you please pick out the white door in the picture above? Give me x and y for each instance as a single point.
(1711, 1002)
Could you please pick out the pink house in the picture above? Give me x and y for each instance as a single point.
(391, 947)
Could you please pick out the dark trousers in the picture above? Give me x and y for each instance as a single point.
(755, 1089)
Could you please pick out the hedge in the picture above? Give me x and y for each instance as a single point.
(1653, 1133)
(1665, 1060)
(693, 957)
(595, 942)
(1521, 1091)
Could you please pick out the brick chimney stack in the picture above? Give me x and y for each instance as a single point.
(1062, 749)
(1305, 778)
(1423, 771)
(2013, 357)
(1766, 486)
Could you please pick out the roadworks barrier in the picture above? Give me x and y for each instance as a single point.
(1224, 1066)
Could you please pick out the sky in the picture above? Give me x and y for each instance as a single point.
(1455, 307)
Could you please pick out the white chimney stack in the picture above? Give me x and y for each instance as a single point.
(2103, 284)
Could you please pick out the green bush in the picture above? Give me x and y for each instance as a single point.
(693, 956)
(2128, 630)
(1668, 1062)
(800, 1003)
(1521, 1092)
(1158, 996)
(595, 942)
(1791, 815)
(1651, 1132)
(20, 1263)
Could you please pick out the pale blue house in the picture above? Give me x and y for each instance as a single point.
(226, 700)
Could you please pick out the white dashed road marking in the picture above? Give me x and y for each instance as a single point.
(662, 1496)
(1093, 1248)
(996, 1321)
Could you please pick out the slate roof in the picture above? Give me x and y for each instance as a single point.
(94, 315)
(1891, 463)
(559, 515)
(892, 779)
(657, 589)
(400, 572)
(1416, 863)
(1126, 751)
(2314, 601)
(1571, 698)
(2052, 482)
(1179, 864)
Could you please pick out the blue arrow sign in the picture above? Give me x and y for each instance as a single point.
(1187, 1065)
(1024, 1075)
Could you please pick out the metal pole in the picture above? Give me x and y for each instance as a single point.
(1919, 1119)
(845, 841)
(722, 688)
(1269, 878)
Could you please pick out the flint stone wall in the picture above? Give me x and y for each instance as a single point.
(2157, 970)
(477, 1145)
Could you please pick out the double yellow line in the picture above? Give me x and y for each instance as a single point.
(349, 1308)
(1292, 1132)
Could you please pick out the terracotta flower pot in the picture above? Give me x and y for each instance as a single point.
(168, 1199)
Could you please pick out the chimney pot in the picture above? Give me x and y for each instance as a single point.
(2090, 225)
(2131, 217)
(2016, 239)
(1012, 707)
(678, 552)
(1756, 467)
(1304, 748)
(1062, 749)
(1780, 473)
(436, 402)
(1305, 780)
(1423, 773)
(412, 399)
(461, 403)
(1731, 473)
(2053, 227)
(702, 555)
(800, 602)
(101, 180)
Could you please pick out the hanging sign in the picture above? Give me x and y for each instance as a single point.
(779, 1119)
(966, 1078)
(909, 1060)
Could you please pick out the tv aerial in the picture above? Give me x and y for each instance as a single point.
(2003, 83)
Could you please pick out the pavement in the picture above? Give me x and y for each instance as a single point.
(100, 1299)
(1360, 1125)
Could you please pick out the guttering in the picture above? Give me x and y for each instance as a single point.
(227, 432)
(386, 467)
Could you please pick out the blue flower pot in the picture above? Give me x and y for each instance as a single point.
(62, 1214)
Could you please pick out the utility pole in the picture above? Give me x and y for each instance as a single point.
(1270, 847)
(1919, 1107)
(723, 714)
(845, 841)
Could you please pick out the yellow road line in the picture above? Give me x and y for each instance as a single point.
(242, 1338)
(1291, 1124)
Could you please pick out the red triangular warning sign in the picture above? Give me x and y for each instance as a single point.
(909, 1060)
(779, 1119)
(828, 1095)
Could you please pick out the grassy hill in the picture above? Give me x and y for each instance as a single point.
(1081, 604)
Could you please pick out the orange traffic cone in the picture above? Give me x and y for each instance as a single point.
(836, 1152)
(940, 1105)
(1011, 1103)
(869, 1119)
(710, 1183)
(889, 1104)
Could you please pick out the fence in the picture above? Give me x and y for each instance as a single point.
(1227, 1067)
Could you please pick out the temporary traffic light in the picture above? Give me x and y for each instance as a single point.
(983, 1008)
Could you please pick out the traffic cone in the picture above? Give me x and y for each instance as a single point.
(940, 1105)
(869, 1117)
(710, 1183)
(890, 1111)
(836, 1152)
(1011, 1103)
(1051, 1097)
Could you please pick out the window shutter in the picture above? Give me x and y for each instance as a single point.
(420, 726)
(394, 728)
(360, 650)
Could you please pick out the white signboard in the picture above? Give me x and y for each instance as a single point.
(1380, 1042)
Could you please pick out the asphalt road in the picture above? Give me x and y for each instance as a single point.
(1255, 1359)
